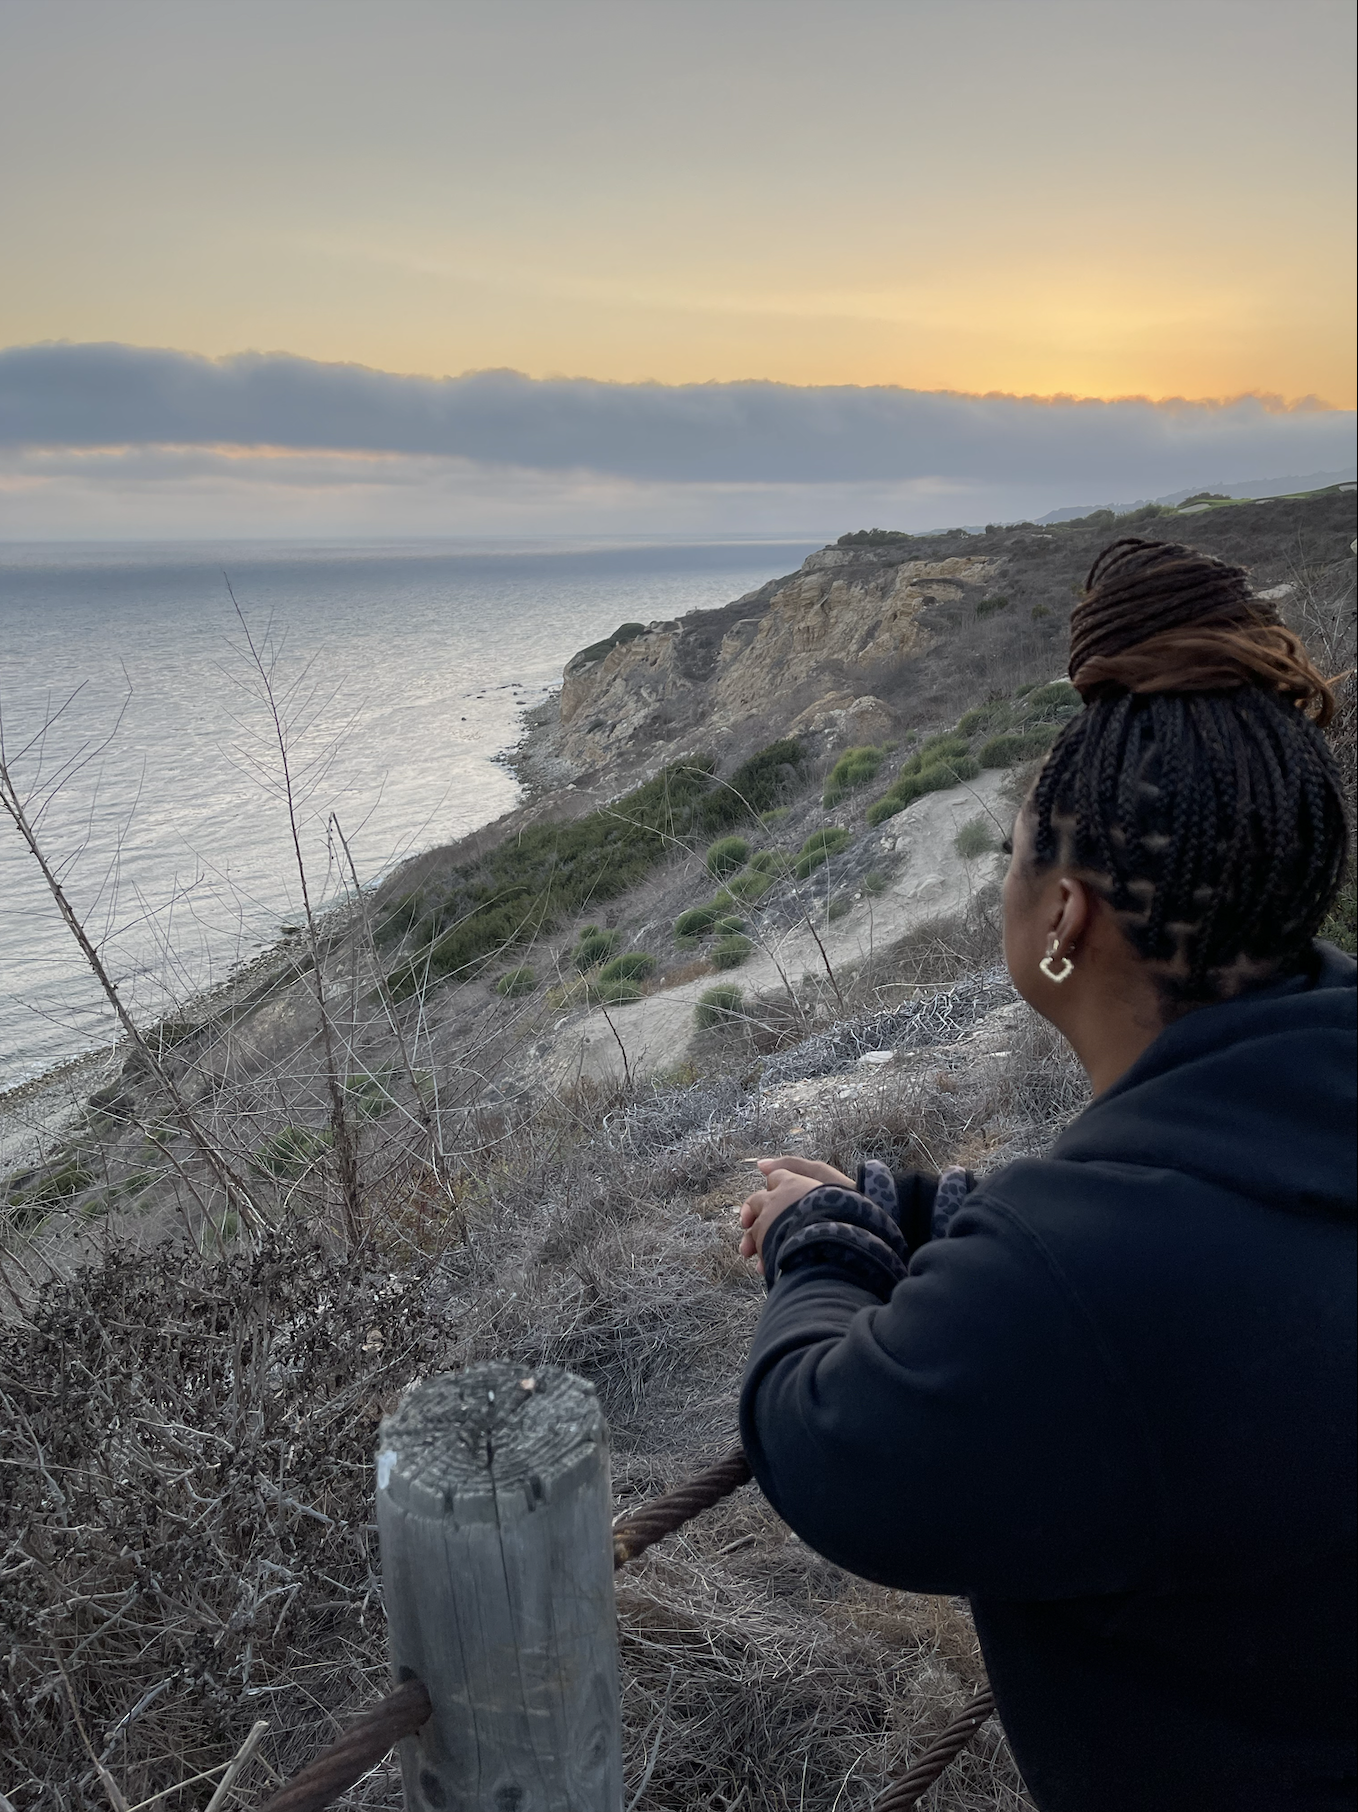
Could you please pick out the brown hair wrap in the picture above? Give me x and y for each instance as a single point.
(1158, 617)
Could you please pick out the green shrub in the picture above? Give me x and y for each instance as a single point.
(750, 886)
(719, 1006)
(370, 1091)
(757, 786)
(1040, 611)
(516, 982)
(625, 632)
(1053, 703)
(1001, 751)
(291, 1152)
(727, 855)
(946, 747)
(854, 768)
(30, 1195)
(726, 926)
(776, 816)
(819, 847)
(936, 777)
(984, 717)
(839, 907)
(989, 606)
(770, 861)
(593, 946)
(697, 921)
(1017, 745)
(873, 537)
(874, 882)
(620, 992)
(731, 951)
(633, 965)
(975, 838)
(1039, 739)
(394, 921)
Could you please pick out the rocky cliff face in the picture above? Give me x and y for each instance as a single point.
(824, 652)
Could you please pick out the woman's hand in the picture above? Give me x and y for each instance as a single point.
(786, 1180)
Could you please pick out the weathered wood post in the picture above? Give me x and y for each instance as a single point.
(494, 1514)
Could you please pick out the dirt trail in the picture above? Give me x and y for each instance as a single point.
(929, 880)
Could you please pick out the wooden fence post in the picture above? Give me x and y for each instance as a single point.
(494, 1511)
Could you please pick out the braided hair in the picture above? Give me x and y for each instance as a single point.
(1195, 791)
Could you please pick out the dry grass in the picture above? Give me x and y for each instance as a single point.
(187, 1542)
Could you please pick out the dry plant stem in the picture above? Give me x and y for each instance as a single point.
(237, 1191)
(825, 959)
(238, 1762)
(185, 1179)
(1323, 611)
(341, 1132)
(626, 1067)
(384, 994)
(106, 1780)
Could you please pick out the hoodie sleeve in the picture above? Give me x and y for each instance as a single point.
(967, 1435)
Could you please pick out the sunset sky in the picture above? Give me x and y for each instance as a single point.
(1033, 197)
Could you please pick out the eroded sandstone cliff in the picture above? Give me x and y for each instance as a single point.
(825, 650)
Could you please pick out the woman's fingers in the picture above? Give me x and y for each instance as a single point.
(786, 1180)
(806, 1167)
(761, 1210)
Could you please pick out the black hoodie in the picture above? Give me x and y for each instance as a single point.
(1114, 1407)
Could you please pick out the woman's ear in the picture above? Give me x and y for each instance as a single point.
(1074, 911)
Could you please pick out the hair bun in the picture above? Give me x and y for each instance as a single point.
(1159, 617)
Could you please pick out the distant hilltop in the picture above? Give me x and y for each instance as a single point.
(1258, 489)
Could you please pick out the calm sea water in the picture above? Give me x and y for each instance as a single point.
(135, 721)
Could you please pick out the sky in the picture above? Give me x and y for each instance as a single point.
(756, 265)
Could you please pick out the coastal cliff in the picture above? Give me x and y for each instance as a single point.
(824, 643)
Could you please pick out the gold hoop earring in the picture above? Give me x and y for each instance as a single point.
(1053, 974)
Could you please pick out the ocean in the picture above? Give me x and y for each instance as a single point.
(138, 729)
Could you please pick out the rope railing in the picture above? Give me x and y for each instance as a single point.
(401, 1713)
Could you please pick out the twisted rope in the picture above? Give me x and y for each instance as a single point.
(909, 1789)
(402, 1712)
(636, 1530)
(349, 1758)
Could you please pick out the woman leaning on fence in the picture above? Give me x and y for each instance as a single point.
(1108, 1394)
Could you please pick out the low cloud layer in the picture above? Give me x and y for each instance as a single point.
(111, 396)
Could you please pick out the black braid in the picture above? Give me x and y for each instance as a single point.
(1230, 781)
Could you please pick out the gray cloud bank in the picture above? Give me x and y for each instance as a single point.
(76, 396)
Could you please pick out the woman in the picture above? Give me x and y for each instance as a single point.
(1107, 1395)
